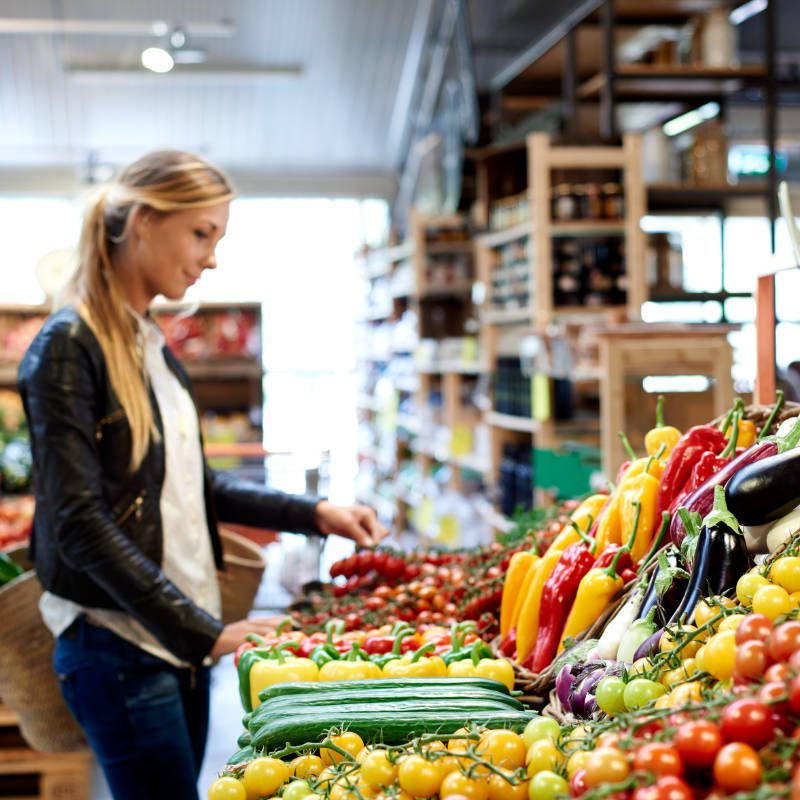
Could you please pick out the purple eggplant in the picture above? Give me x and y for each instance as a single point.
(649, 645)
(701, 500)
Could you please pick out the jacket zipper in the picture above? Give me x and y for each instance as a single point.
(109, 418)
(133, 510)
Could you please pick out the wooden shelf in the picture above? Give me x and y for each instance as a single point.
(453, 367)
(680, 197)
(582, 311)
(235, 450)
(589, 227)
(432, 292)
(505, 236)
(469, 462)
(448, 248)
(223, 370)
(680, 296)
(511, 423)
(507, 316)
(7, 716)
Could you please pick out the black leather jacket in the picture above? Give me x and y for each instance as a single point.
(97, 536)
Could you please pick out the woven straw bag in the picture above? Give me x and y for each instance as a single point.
(28, 684)
(239, 581)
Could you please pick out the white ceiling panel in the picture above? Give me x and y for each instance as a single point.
(333, 118)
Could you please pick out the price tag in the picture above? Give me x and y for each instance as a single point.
(448, 530)
(461, 443)
(540, 397)
(469, 350)
(423, 515)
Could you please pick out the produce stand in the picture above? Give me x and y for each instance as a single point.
(652, 657)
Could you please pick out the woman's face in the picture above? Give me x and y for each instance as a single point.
(167, 253)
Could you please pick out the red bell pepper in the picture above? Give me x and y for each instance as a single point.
(558, 595)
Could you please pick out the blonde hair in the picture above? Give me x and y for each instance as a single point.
(164, 181)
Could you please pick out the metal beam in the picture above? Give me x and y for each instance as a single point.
(538, 48)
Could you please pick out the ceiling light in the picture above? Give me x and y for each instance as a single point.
(156, 59)
(747, 10)
(691, 118)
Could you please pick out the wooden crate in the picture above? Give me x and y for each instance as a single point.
(27, 774)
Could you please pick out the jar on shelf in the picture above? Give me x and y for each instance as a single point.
(579, 200)
(613, 201)
(563, 203)
(593, 202)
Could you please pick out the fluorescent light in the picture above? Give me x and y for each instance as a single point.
(690, 119)
(747, 10)
(656, 384)
(193, 75)
(156, 59)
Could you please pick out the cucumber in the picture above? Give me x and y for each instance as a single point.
(375, 724)
(294, 702)
(245, 739)
(301, 687)
(241, 756)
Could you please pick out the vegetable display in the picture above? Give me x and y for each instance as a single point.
(659, 624)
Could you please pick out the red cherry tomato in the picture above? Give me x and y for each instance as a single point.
(671, 787)
(748, 721)
(784, 640)
(794, 695)
(737, 768)
(751, 660)
(754, 626)
(577, 783)
(698, 742)
(658, 758)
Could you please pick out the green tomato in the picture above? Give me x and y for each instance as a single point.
(609, 695)
(296, 790)
(540, 728)
(546, 785)
(641, 691)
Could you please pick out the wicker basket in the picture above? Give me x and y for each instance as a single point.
(28, 683)
(241, 578)
(758, 414)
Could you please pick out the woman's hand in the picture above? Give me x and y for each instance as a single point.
(233, 634)
(357, 522)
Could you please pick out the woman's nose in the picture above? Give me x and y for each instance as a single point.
(211, 262)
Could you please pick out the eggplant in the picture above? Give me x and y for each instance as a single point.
(636, 636)
(701, 500)
(665, 600)
(583, 700)
(649, 645)
(766, 490)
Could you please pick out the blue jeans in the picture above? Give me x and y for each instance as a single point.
(145, 720)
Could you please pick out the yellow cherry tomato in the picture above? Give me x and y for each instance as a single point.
(576, 761)
(502, 748)
(676, 638)
(264, 776)
(719, 655)
(772, 601)
(501, 787)
(786, 572)
(227, 788)
(748, 585)
(349, 741)
(306, 765)
(420, 777)
(542, 754)
(377, 770)
(731, 623)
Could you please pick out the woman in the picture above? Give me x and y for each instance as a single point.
(125, 535)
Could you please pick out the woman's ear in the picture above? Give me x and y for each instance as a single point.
(141, 219)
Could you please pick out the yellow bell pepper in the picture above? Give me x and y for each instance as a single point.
(528, 622)
(496, 669)
(638, 511)
(661, 434)
(355, 666)
(280, 669)
(583, 516)
(597, 589)
(518, 568)
(747, 433)
(416, 665)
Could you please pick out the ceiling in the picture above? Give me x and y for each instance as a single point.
(74, 103)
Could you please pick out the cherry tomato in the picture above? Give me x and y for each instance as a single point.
(605, 765)
(502, 787)
(751, 660)
(420, 777)
(227, 788)
(349, 741)
(577, 783)
(609, 694)
(719, 655)
(774, 695)
(672, 787)
(698, 742)
(502, 748)
(540, 728)
(542, 755)
(784, 640)
(264, 776)
(748, 585)
(297, 790)
(754, 626)
(547, 786)
(377, 770)
(456, 783)
(777, 672)
(772, 601)
(786, 573)
(640, 691)
(794, 695)
(306, 765)
(658, 758)
(737, 768)
(748, 721)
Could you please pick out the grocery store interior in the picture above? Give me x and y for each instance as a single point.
(472, 242)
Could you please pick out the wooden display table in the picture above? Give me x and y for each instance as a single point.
(53, 776)
(638, 350)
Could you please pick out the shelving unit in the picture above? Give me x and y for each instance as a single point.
(534, 305)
